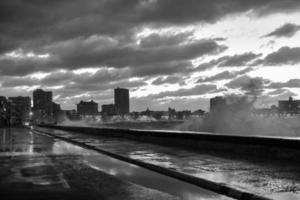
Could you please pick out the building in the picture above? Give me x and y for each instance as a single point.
(87, 108)
(122, 101)
(42, 102)
(72, 115)
(3, 111)
(10, 114)
(289, 106)
(183, 115)
(108, 110)
(198, 113)
(22, 106)
(172, 113)
(217, 102)
(58, 114)
(158, 115)
(273, 110)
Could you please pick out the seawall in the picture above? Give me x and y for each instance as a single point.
(258, 146)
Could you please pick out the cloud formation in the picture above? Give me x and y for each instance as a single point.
(196, 90)
(140, 39)
(283, 56)
(224, 75)
(286, 30)
(237, 60)
(95, 52)
(168, 80)
(249, 85)
(292, 83)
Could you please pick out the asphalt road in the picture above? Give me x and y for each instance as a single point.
(269, 178)
(34, 166)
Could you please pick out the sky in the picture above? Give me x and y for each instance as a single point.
(168, 53)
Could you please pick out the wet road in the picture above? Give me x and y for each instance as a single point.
(33, 161)
(264, 177)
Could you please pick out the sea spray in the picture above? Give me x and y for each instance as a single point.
(237, 118)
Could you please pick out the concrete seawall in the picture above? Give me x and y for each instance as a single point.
(265, 147)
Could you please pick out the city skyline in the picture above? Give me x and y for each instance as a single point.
(165, 56)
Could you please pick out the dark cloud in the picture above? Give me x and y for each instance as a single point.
(59, 78)
(293, 83)
(279, 91)
(168, 80)
(71, 83)
(220, 39)
(155, 39)
(18, 81)
(95, 52)
(197, 90)
(174, 11)
(120, 56)
(283, 56)
(23, 66)
(166, 68)
(249, 85)
(274, 6)
(224, 75)
(81, 88)
(35, 23)
(67, 29)
(238, 60)
(286, 30)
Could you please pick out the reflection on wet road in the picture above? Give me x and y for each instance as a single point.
(30, 162)
(268, 178)
(23, 163)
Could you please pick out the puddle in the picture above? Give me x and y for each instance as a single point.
(139, 175)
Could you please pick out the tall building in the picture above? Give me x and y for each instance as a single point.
(3, 111)
(57, 112)
(22, 106)
(42, 103)
(10, 113)
(122, 101)
(87, 108)
(217, 102)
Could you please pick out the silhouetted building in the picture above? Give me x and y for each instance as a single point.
(289, 107)
(72, 115)
(147, 112)
(183, 115)
(42, 103)
(58, 114)
(273, 110)
(158, 115)
(217, 102)
(122, 101)
(87, 108)
(198, 113)
(108, 110)
(14, 115)
(55, 107)
(172, 113)
(22, 106)
(9, 114)
(3, 111)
